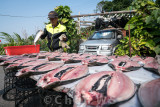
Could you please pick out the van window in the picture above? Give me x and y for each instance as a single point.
(103, 35)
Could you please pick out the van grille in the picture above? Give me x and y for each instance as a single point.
(91, 52)
(92, 47)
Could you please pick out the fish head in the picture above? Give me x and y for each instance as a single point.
(43, 81)
(4, 63)
(20, 72)
(12, 66)
(23, 71)
(93, 98)
(46, 81)
(77, 98)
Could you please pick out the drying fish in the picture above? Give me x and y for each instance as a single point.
(30, 55)
(64, 54)
(43, 55)
(63, 75)
(85, 55)
(112, 58)
(149, 93)
(67, 60)
(26, 63)
(53, 56)
(51, 76)
(148, 60)
(136, 58)
(32, 63)
(123, 58)
(152, 66)
(38, 69)
(158, 58)
(18, 62)
(106, 87)
(12, 60)
(38, 35)
(95, 62)
(102, 60)
(114, 64)
(4, 58)
(74, 55)
(124, 65)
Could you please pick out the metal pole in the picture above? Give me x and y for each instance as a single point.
(106, 13)
(79, 25)
(129, 40)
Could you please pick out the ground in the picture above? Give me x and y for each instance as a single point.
(4, 103)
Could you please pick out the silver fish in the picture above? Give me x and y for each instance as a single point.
(38, 35)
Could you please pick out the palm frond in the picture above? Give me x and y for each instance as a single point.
(18, 37)
(7, 37)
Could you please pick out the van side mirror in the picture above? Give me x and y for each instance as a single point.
(119, 37)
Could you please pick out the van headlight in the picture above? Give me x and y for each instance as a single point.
(81, 47)
(106, 47)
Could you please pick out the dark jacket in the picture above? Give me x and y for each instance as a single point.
(53, 35)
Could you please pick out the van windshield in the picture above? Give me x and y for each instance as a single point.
(103, 35)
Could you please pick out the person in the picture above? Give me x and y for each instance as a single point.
(55, 33)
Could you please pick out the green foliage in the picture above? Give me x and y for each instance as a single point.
(138, 47)
(114, 5)
(157, 3)
(43, 45)
(104, 6)
(144, 7)
(7, 37)
(2, 52)
(65, 17)
(144, 28)
(121, 4)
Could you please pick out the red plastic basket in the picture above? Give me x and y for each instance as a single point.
(19, 50)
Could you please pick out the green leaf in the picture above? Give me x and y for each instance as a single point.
(158, 20)
(156, 13)
(148, 19)
(64, 20)
(151, 3)
(157, 40)
(157, 49)
(154, 32)
(150, 43)
(143, 4)
(132, 26)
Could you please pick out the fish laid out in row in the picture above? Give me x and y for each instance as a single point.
(38, 69)
(61, 75)
(106, 87)
(123, 63)
(23, 63)
(11, 60)
(99, 89)
(152, 65)
(149, 93)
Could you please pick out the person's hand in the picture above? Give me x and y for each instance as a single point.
(63, 37)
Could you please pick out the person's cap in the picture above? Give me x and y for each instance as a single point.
(52, 14)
